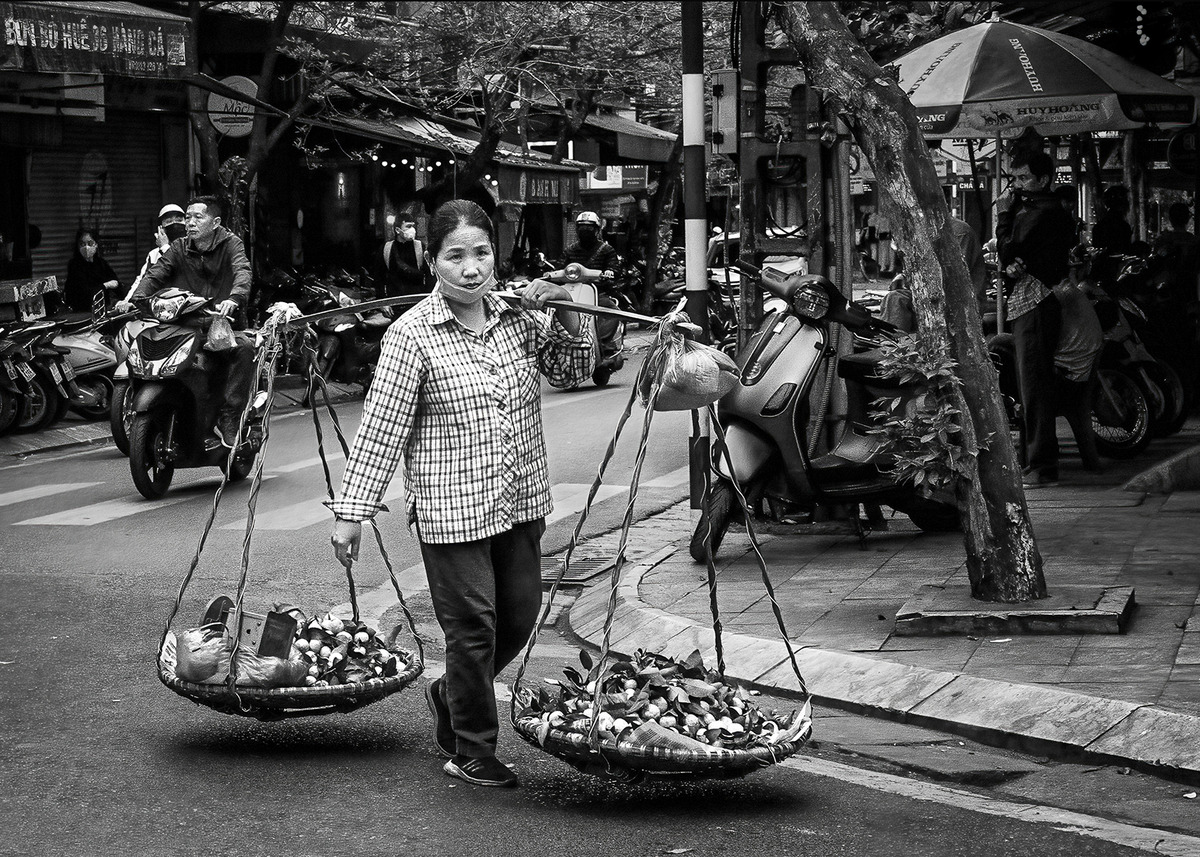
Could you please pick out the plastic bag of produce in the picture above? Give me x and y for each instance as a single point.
(691, 375)
(202, 654)
(264, 671)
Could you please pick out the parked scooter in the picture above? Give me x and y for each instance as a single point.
(764, 417)
(93, 362)
(174, 403)
(347, 345)
(42, 374)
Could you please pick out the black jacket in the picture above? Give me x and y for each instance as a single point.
(1037, 229)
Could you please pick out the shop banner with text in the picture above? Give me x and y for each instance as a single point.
(93, 38)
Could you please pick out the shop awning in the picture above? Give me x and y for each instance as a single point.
(523, 177)
(93, 38)
(635, 141)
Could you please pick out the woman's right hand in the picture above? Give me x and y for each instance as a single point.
(345, 540)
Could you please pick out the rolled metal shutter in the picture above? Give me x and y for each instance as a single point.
(107, 175)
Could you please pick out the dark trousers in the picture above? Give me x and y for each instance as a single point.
(1075, 403)
(486, 596)
(237, 365)
(1035, 336)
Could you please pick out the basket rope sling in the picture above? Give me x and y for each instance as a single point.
(278, 703)
(623, 760)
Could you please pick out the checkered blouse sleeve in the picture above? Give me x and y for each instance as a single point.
(565, 359)
(388, 417)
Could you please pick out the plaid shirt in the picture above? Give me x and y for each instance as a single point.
(1027, 293)
(464, 410)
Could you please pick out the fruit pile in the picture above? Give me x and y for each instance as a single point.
(340, 651)
(652, 693)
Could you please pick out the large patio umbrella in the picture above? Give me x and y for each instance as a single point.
(998, 78)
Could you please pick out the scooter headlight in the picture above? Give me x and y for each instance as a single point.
(811, 301)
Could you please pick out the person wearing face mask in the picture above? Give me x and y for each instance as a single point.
(591, 250)
(403, 268)
(456, 397)
(170, 228)
(88, 272)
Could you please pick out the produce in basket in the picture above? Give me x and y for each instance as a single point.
(341, 651)
(655, 701)
(326, 651)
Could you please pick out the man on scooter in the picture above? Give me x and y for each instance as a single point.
(211, 262)
(592, 251)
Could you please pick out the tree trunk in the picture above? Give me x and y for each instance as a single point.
(205, 133)
(1003, 562)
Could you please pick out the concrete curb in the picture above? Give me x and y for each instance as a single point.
(1179, 473)
(1030, 718)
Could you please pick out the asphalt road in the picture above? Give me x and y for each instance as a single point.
(99, 758)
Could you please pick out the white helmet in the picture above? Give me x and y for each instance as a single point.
(589, 217)
(170, 208)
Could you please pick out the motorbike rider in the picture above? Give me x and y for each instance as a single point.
(170, 215)
(211, 262)
(592, 251)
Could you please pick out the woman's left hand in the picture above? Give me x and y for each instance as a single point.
(538, 292)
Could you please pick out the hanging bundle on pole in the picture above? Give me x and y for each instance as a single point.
(282, 664)
(652, 716)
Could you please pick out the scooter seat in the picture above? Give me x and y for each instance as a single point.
(861, 368)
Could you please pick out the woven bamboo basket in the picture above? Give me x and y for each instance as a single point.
(281, 703)
(625, 761)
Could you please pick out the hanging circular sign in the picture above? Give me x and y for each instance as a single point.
(231, 116)
(1181, 151)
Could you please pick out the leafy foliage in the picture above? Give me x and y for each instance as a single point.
(888, 30)
(922, 433)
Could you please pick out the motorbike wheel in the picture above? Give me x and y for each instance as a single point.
(1120, 415)
(932, 516)
(1174, 413)
(600, 375)
(40, 405)
(116, 415)
(102, 389)
(148, 462)
(714, 522)
(10, 408)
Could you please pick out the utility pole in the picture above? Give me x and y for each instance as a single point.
(695, 220)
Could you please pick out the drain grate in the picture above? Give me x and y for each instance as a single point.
(581, 570)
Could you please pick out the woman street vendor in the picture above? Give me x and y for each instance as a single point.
(457, 396)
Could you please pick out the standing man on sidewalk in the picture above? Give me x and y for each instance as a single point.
(1034, 236)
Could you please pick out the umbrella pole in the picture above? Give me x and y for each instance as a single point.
(1000, 308)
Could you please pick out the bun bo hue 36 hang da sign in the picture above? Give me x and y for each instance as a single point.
(114, 37)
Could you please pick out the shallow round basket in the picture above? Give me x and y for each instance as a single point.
(631, 762)
(280, 703)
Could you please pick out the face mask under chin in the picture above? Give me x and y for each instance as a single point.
(464, 294)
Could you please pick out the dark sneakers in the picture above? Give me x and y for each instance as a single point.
(488, 771)
(443, 732)
(226, 429)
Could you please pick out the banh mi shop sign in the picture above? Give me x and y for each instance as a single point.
(119, 38)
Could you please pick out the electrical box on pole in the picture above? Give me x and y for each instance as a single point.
(725, 111)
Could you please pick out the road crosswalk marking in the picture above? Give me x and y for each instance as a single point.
(669, 480)
(297, 516)
(101, 513)
(569, 499)
(10, 498)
